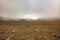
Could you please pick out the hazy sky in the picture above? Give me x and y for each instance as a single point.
(29, 8)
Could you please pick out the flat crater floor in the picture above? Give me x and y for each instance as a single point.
(29, 30)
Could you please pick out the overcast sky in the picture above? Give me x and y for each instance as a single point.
(29, 8)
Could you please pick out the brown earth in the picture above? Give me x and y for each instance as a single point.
(30, 30)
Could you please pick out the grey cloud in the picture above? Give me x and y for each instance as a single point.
(20, 8)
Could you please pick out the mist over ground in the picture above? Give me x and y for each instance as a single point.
(29, 9)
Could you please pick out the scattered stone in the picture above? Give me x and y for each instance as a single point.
(1, 38)
(23, 39)
(27, 26)
(57, 37)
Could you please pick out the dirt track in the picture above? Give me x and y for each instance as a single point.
(33, 30)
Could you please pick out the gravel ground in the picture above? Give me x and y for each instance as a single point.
(30, 30)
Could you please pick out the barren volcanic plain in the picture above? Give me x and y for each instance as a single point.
(30, 30)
